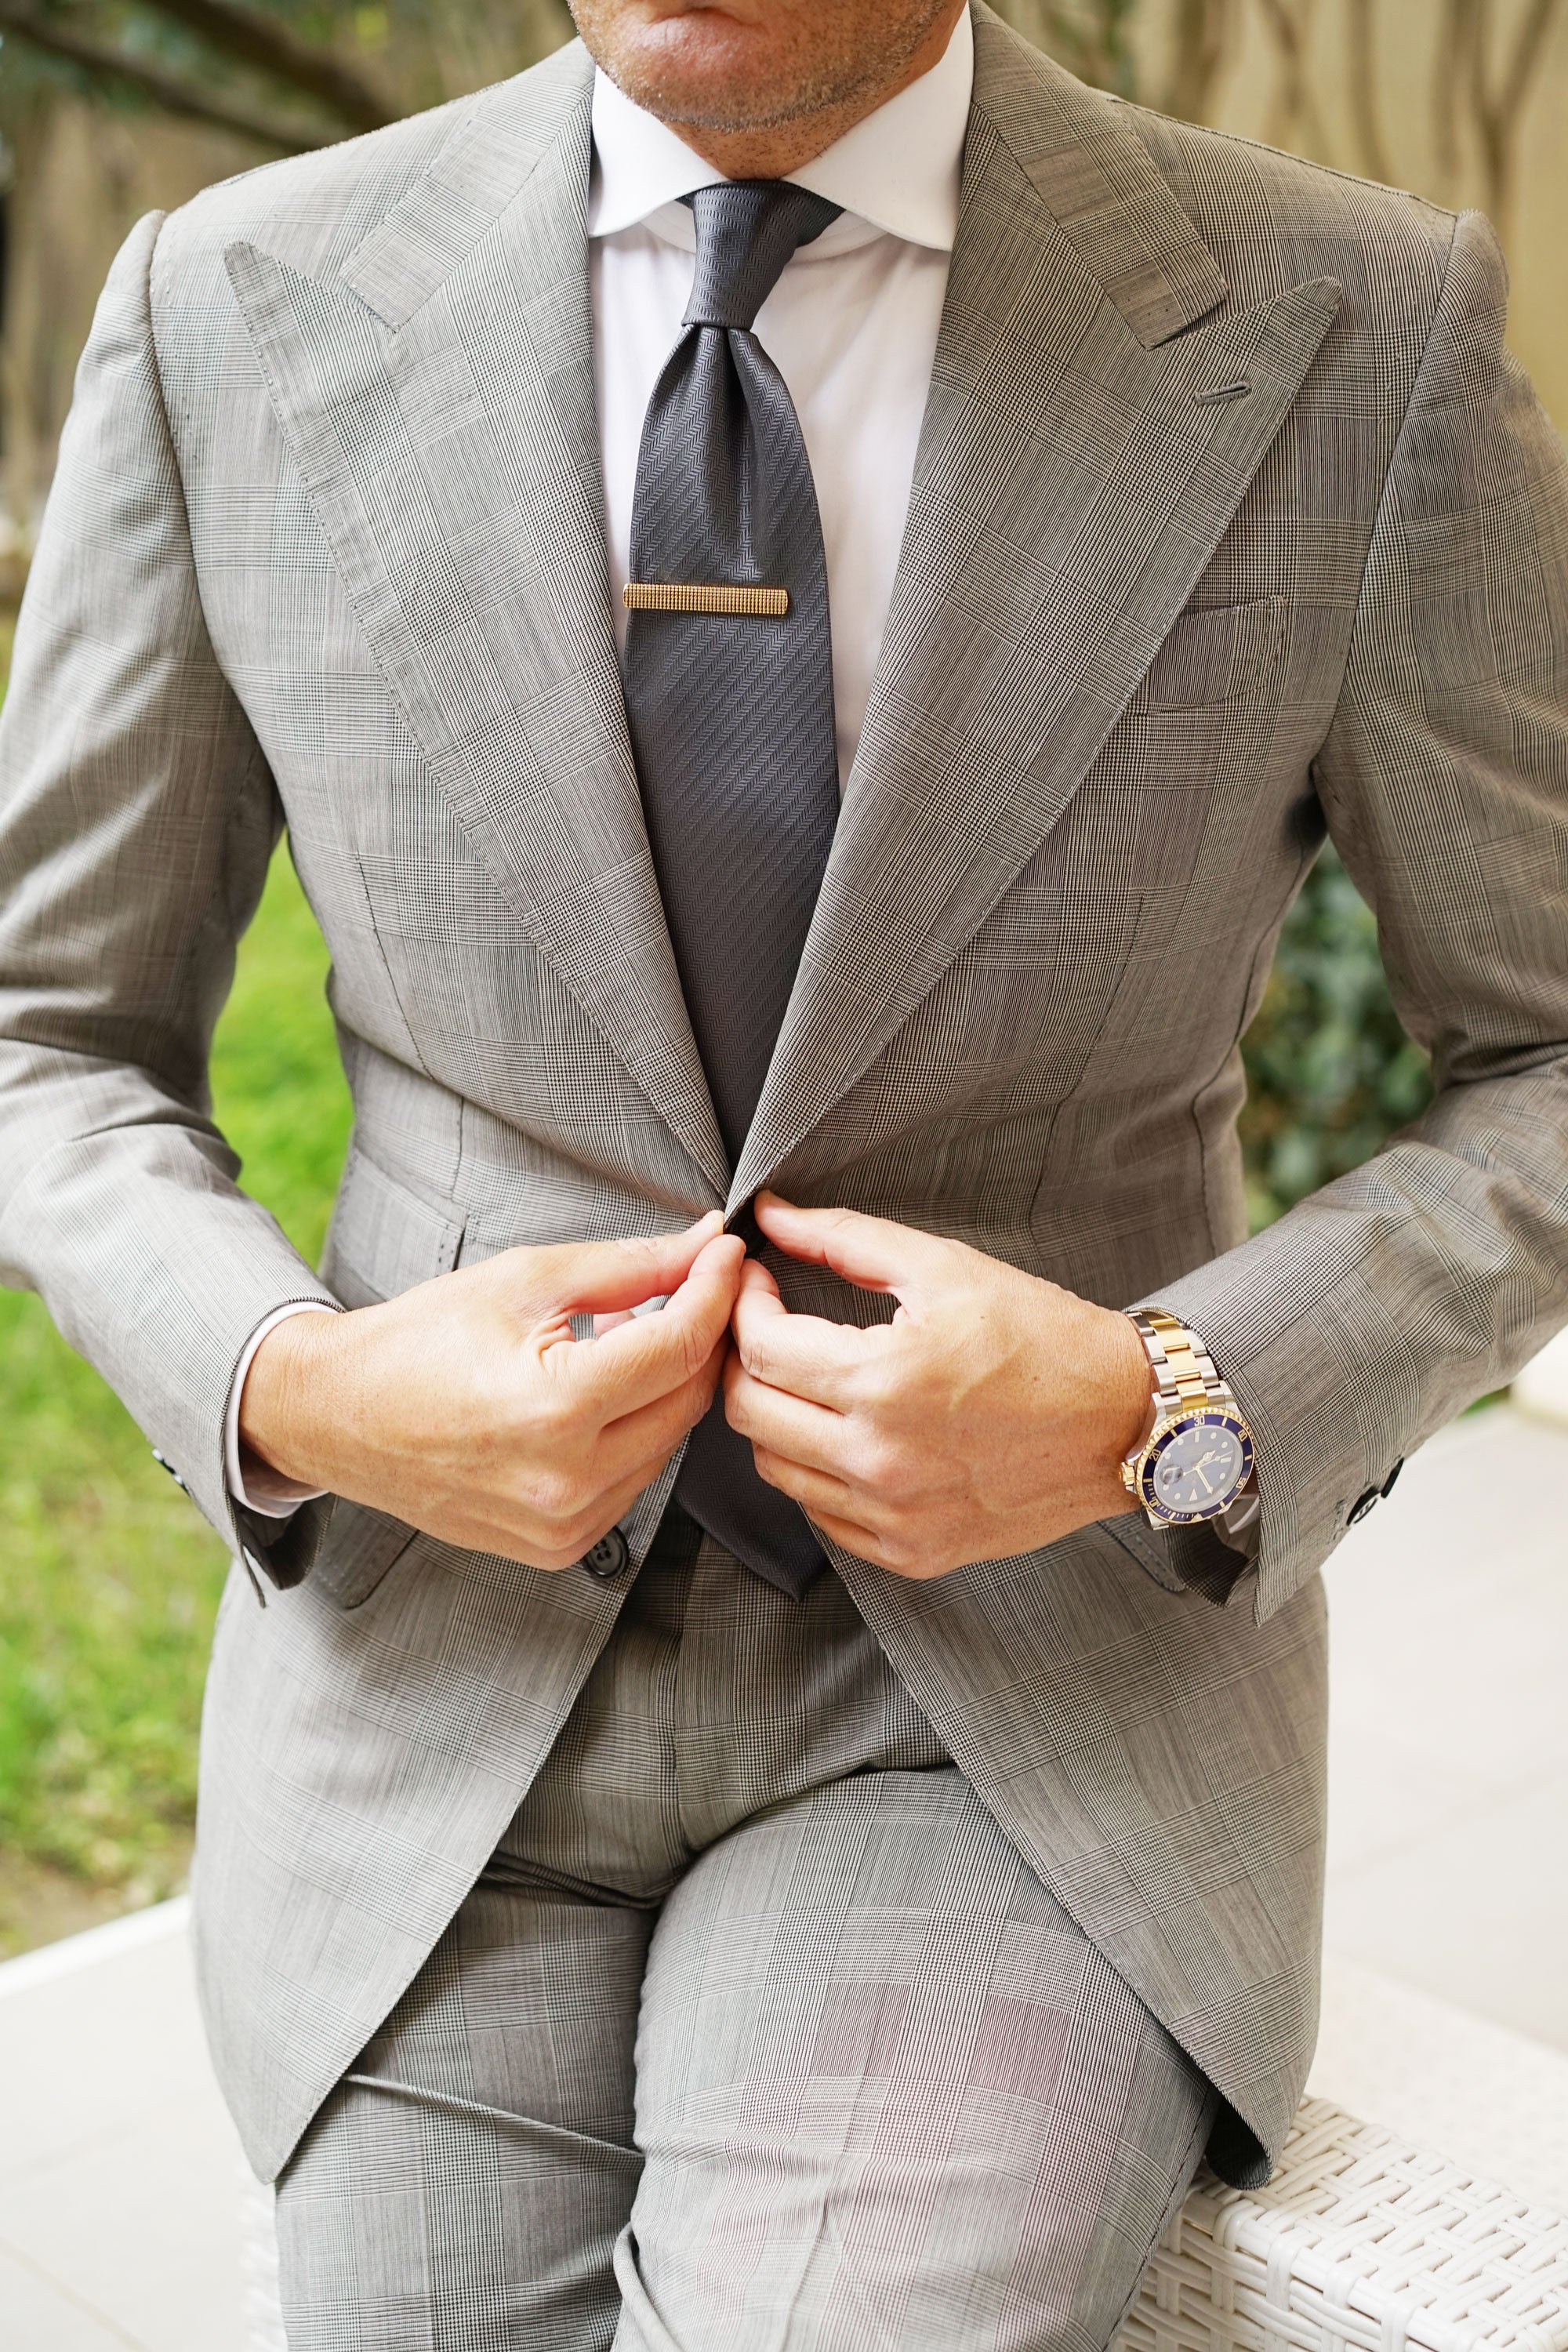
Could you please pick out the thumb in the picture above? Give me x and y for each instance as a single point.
(759, 1290)
(612, 1278)
(873, 1253)
(758, 1301)
(646, 1356)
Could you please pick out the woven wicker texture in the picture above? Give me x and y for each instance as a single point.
(1360, 2242)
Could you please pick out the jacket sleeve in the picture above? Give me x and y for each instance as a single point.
(1383, 1305)
(137, 817)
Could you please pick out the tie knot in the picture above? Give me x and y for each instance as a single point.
(746, 231)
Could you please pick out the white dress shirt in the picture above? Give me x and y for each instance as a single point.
(851, 327)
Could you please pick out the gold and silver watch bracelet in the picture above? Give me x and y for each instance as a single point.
(1184, 1373)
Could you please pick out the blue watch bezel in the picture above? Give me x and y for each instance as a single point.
(1212, 1416)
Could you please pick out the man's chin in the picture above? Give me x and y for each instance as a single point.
(712, 73)
(700, 102)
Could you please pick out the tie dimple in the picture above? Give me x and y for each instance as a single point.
(746, 231)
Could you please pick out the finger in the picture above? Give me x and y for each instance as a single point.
(580, 1277)
(830, 1504)
(653, 1431)
(603, 1323)
(863, 1541)
(652, 1354)
(789, 1425)
(613, 1506)
(634, 1451)
(757, 1281)
(802, 1354)
(885, 1550)
(873, 1253)
(814, 1490)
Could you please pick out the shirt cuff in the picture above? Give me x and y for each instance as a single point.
(1241, 1525)
(265, 1491)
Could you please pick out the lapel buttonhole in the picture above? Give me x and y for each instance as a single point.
(1219, 392)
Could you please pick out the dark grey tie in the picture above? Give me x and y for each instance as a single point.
(729, 681)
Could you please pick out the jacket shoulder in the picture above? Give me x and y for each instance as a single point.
(312, 210)
(1272, 219)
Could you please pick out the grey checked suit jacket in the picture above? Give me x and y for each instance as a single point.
(1231, 522)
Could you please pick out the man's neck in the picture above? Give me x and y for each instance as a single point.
(773, 152)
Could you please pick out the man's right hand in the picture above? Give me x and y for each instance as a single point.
(466, 1407)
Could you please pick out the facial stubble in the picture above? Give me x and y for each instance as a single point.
(838, 55)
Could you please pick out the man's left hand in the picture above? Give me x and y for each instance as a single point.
(989, 1417)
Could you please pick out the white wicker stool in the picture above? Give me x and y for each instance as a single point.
(1358, 2244)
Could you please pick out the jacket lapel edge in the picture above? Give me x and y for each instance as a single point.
(941, 816)
(571, 870)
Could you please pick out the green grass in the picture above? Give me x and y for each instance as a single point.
(277, 1081)
(110, 1580)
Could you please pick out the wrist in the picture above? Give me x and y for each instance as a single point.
(1132, 1407)
(283, 1404)
(1123, 1413)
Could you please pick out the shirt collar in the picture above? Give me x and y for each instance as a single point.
(898, 170)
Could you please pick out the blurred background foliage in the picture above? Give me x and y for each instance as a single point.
(109, 1581)
(1330, 1074)
(109, 107)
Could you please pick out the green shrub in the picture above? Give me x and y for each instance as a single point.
(1331, 1073)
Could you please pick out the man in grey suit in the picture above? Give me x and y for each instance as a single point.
(629, 1907)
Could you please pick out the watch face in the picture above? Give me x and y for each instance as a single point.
(1200, 1466)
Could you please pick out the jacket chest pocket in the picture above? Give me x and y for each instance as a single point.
(1204, 717)
(1199, 729)
(1215, 654)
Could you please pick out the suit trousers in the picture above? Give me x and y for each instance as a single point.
(755, 2033)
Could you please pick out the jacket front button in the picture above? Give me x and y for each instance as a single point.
(608, 1557)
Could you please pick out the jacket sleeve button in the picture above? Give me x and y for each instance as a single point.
(608, 1557)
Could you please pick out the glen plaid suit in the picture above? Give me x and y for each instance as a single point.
(1230, 521)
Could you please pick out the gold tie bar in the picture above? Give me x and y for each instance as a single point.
(661, 596)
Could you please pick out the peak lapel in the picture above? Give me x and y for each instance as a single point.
(439, 403)
(1071, 484)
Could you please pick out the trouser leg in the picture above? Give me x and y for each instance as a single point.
(889, 2094)
(462, 2188)
(891, 2097)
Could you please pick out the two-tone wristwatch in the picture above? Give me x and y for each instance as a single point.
(1197, 1457)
